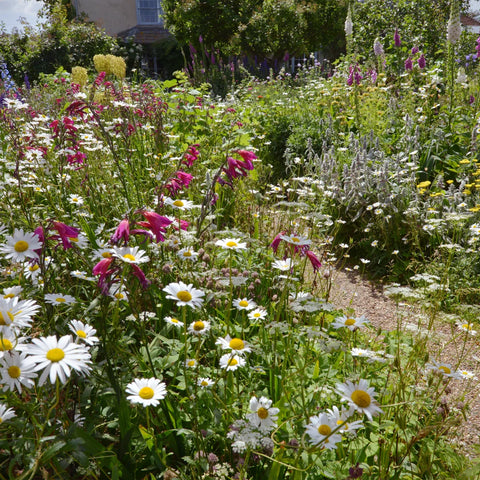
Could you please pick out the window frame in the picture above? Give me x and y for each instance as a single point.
(141, 10)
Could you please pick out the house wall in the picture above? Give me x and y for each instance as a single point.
(112, 15)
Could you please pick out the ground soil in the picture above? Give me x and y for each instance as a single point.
(350, 291)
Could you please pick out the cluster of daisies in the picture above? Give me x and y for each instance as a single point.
(24, 360)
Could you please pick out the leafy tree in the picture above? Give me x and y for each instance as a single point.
(266, 29)
(419, 23)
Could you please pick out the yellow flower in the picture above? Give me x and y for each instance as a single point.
(80, 76)
(464, 161)
(424, 184)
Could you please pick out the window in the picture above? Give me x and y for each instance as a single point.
(149, 11)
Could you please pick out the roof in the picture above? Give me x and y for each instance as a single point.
(146, 33)
(466, 20)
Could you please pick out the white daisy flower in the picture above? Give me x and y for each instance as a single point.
(146, 391)
(205, 382)
(179, 204)
(258, 313)
(236, 345)
(231, 244)
(244, 304)
(20, 246)
(349, 322)
(283, 265)
(8, 340)
(81, 241)
(16, 313)
(57, 357)
(191, 363)
(32, 271)
(81, 274)
(199, 327)
(341, 419)
(131, 255)
(83, 331)
(187, 253)
(466, 375)
(59, 299)
(6, 413)
(118, 292)
(320, 431)
(467, 327)
(17, 369)
(12, 292)
(443, 368)
(174, 321)
(264, 416)
(231, 362)
(297, 240)
(75, 199)
(184, 294)
(360, 396)
(103, 252)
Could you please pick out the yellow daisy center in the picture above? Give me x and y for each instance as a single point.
(361, 398)
(5, 344)
(14, 371)
(466, 326)
(349, 321)
(34, 268)
(81, 334)
(106, 255)
(232, 362)
(174, 320)
(256, 315)
(191, 363)
(236, 344)
(231, 244)
(204, 383)
(129, 256)
(295, 239)
(178, 203)
(21, 246)
(445, 369)
(184, 296)
(119, 296)
(74, 239)
(187, 254)
(60, 300)
(243, 303)
(262, 413)
(198, 326)
(146, 393)
(55, 354)
(9, 295)
(324, 430)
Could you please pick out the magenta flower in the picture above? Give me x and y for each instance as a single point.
(156, 223)
(316, 264)
(396, 38)
(408, 64)
(122, 232)
(65, 232)
(421, 61)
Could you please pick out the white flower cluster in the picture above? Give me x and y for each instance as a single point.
(254, 432)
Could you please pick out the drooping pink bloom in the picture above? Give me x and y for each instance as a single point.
(65, 232)
(122, 232)
(276, 241)
(156, 223)
(248, 158)
(138, 272)
(316, 264)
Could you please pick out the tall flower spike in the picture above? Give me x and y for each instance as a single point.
(454, 28)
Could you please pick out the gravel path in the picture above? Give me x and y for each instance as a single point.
(350, 291)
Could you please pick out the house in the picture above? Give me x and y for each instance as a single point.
(139, 20)
(469, 23)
